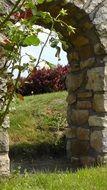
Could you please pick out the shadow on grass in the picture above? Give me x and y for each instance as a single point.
(39, 157)
(34, 151)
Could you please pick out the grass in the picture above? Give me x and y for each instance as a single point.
(38, 123)
(84, 179)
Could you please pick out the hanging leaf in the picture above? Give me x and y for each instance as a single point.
(64, 45)
(29, 4)
(54, 42)
(32, 58)
(51, 65)
(45, 15)
(49, 1)
(40, 1)
(32, 40)
(58, 53)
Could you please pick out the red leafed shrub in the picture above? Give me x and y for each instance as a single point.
(45, 80)
(27, 14)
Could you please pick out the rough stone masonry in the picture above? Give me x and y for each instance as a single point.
(4, 139)
(87, 79)
(87, 85)
(86, 82)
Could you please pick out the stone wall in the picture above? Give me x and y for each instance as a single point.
(4, 158)
(87, 79)
(87, 88)
(4, 139)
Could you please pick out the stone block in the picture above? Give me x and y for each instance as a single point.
(87, 63)
(98, 49)
(74, 67)
(75, 161)
(97, 79)
(4, 142)
(103, 40)
(96, 140)
(79, 117)
(6, 123)
(79, 148)
(102, 159)
(100, 102)
(104, 140)
(69, 112)
(82, 133)
(81, 41)
(82, 95)
(73, 56)
(84, 104)
(68, 148)
(71, 132)
(97, 121)
(74, 81)
(87, 161)
(4, 165)
(71, 98)
(88, 25)
(85, 53)
(2, 52)
(105, 60)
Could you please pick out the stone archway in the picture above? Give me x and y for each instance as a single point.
(86, 81)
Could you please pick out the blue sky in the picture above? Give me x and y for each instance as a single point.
(48, 53)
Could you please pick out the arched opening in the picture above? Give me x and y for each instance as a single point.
(86, 82)
(38, 133)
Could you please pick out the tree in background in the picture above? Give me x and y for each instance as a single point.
(44, 80)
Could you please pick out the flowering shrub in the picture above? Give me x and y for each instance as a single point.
(44, 80)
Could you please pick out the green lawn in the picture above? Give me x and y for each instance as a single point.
(38, 123)
(85, 179)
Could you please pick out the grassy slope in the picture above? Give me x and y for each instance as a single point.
(37, 113)
(38, 120)
(85, 179)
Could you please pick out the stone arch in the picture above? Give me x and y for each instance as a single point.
(86, 82)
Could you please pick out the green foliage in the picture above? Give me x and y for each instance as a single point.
(23, 34)
(44, 80)
(41, 113)
(31, 40)
(63, 12)
(49, 1)
(84, 179)
(40, 1)
(54, 42)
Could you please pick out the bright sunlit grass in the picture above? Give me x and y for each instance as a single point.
(85, 179)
